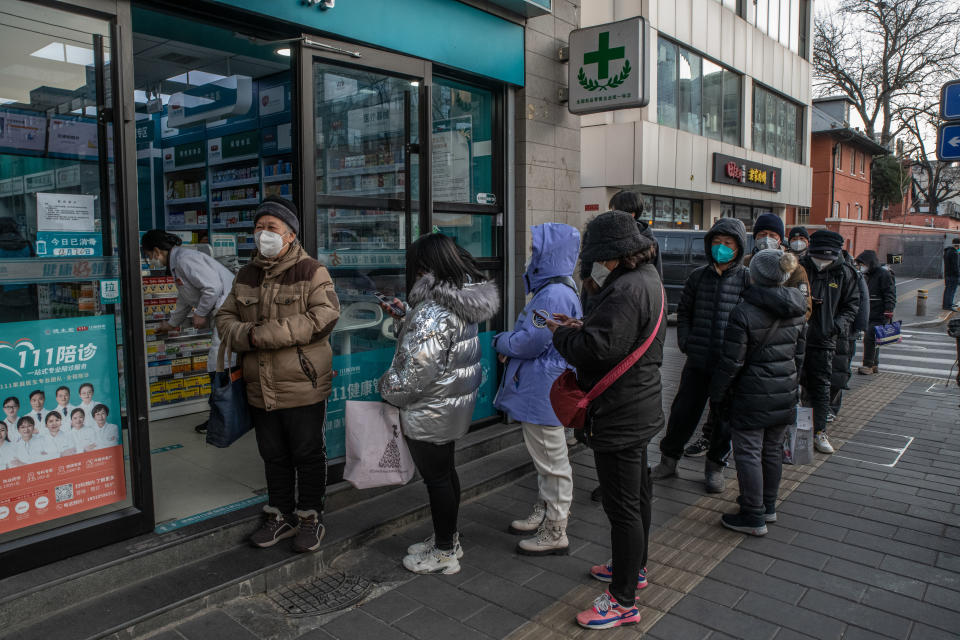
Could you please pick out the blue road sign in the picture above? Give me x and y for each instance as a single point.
(950, 100)
(948, 143)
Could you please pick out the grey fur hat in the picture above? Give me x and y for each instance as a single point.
(772, 267)
(610, 236)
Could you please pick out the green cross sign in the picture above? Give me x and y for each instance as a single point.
(603, 56)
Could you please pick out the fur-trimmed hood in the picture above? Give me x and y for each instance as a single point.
(474, 303)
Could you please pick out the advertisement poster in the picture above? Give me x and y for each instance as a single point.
(357, 376)
(63, 454)
(22, 132)
(65, 212)
(75, 138)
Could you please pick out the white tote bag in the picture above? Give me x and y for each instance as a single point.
(376, 452)
(798, 442)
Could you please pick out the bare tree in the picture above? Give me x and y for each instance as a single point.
(882, 53)
(934, 181)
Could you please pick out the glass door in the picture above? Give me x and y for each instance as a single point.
(366, 178)
(68, 421)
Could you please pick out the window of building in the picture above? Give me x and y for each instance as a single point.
(836, 209)
(744, 213)
(777, 125)
(786, 21)
(803, 216)
(847, 215)
(838, 158)
(696, 94)
(853, 162)
(671, 213)
(863, 160)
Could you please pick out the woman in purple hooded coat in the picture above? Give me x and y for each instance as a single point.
(532, 365)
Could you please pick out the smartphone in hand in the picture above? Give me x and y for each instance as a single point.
(397, 310)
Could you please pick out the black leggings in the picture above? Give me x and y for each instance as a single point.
(435, 462)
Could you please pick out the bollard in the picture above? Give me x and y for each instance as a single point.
(921, 302)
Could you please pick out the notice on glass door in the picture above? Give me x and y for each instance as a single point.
(451, 159)
(61, 451)
(65, 212)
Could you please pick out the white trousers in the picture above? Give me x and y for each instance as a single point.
(548, 448)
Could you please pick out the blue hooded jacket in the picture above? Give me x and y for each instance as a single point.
(534, 362)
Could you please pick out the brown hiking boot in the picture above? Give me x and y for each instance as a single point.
(274, 528)
(309, 532)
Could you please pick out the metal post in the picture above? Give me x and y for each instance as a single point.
(921, 302)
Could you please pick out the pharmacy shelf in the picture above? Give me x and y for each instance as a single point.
(246, 202)
(182, 408)
(234, 183)
(194, 200)
(282, 177)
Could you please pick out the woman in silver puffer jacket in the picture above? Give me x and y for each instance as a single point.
(434, 380)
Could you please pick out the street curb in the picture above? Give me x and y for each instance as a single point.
(930, 323)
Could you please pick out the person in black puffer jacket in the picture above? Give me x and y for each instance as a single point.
(882, 287)
(756, 384)
(625, 312)
(847, 349)
(709, 295)
(836, 301)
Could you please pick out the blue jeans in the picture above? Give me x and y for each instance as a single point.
(949, 291)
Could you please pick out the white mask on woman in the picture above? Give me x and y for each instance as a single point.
(268, 243)
(599, 273)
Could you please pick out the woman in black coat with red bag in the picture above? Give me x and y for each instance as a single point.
(626, 311)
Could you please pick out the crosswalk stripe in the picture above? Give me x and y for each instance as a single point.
(892, 356)
(920, 371)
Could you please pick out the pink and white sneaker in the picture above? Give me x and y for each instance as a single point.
(607, 613)
(604, 573)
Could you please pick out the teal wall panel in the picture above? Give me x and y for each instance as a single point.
(444, 31)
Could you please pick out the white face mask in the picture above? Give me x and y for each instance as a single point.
(822, 263)
(767, 243)
(864, 268)
(798, 245)
(268, 243)
(155, 265)
(599, 273)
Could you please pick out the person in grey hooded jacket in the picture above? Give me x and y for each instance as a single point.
(434, 379)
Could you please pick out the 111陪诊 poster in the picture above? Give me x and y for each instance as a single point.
(60, 442)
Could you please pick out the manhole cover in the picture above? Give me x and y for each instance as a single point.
(330, 592)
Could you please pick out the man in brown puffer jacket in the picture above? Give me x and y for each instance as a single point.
(278, 317)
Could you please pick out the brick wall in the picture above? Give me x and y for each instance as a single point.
(849, 189)
(547, 135)
(862, 235)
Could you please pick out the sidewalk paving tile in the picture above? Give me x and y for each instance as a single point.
(215, 625)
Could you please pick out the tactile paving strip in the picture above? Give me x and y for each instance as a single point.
(333, 591)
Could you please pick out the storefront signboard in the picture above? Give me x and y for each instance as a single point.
(744, 173)
(11, 187)
(73, 138)
(235, 145)
(216, 100)
(452, 159)
(609, 68)
(22, 132)
(17, 270)
(146, 132)
(185, 155)
(69, 465)
(39, 181)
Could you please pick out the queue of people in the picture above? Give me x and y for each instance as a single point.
(755, 328)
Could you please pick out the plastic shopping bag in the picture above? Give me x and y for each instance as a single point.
(376, 452)
(798, 443)
(229, 411)
(887, 333)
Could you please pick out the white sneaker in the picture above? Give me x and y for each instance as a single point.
(532, 522)
(433, 561)
(551, 539)
(430, 543)
(821, 443)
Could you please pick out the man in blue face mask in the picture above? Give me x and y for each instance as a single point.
(709, 295)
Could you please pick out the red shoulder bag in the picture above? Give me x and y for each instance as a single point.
(570, 402)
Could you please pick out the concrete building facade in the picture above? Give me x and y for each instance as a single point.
(730, 94)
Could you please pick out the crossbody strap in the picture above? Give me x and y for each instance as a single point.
(629, 361)
(767, 337)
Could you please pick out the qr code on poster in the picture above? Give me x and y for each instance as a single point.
(64, 492)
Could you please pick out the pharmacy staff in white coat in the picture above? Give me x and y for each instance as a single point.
(202, 286)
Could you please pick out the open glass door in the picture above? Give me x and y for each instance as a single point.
(366, 178)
